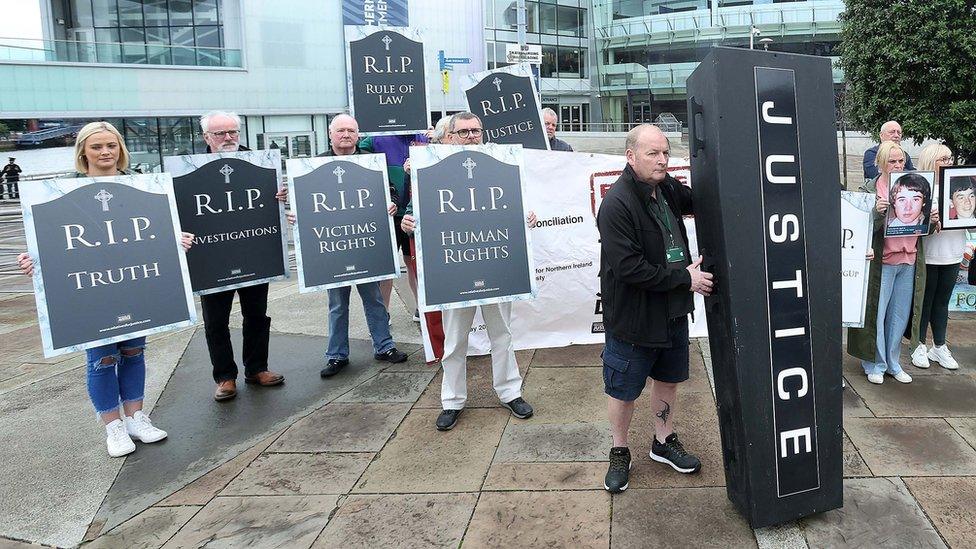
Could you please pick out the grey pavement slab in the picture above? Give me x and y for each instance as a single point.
(299, 475)
(854, 405)
(391, 387)
(854, 465)
(877, 512)
(944, 395)
(585, 475)
(399, 520)
(911, 447)
(540, 519)
(149, 529)
(343, 427)
(528, 441)
(422, 459)
(202, 490)
(56, 470)
(286, 522)
(205, 433)
(948, 503)
(481, 394)
(566, 395)
(966, 427)
(680, 517)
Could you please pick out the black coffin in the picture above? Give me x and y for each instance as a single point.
(767, 212)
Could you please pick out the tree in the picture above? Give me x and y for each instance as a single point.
(4, 130)
(914, 62)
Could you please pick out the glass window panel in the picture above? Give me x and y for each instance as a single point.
(105, 13)
(567, 21)
(156, 13)
(180, 12)
(505, 17)
(548, 68)
(130, 13)
(107, 48)
(547, 19)
(205, 12)
(583, 52)
(183, 52)
(142, 140)
(158, 50)
(208, 46)
(81, 14)
(569, 62)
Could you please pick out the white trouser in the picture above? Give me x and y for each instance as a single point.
(505, 373)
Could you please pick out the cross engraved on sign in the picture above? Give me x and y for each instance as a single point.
(338, 173)
(103, 196)
(469, 165)
(386, 42)
(498, 83)
(226, 171)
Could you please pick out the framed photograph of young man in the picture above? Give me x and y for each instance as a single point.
(909, 204)
(957, 192)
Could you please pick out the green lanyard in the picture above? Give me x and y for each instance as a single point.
(663, 216)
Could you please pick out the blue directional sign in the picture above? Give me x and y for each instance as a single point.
(447, 63)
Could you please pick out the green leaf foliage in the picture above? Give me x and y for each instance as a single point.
(913, 61)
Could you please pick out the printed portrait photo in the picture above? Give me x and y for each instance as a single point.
(958, 197)
(909, 204)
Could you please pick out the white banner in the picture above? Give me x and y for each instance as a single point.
(856, 222)
(564, 190)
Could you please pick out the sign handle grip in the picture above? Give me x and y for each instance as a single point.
(695, 118)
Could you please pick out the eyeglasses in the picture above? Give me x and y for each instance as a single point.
(221, 134)
(944, 159)
(474, 132)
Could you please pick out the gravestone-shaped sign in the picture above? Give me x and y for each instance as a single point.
(857, 226)
(472, 240)
(386, 80)
(227, 200)
(107, 260)
(508, 105)
(343, 231)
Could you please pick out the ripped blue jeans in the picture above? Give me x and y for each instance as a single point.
(116, 375)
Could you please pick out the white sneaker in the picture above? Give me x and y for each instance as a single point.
(117, 440)
(942, 355)
(140, 428)
(416, 315)
(903, 377)
(920, 357)
(877, 379)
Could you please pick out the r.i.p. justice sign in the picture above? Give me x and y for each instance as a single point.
(472, 240)
(107, 260)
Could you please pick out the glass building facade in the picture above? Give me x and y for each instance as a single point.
(563, 29)
(648, 48)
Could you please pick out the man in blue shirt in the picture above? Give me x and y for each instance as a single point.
(890, 131)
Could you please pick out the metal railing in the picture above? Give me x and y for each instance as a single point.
(613, 127)
(136, 53)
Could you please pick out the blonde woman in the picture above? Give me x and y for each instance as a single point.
(943, 253)
(895, 271)
(117, 371)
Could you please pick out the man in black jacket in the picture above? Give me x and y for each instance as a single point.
(222, 132)
(647, 281)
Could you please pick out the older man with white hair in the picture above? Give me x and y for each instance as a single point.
(550, 119)
(890, 131)
(222, 133)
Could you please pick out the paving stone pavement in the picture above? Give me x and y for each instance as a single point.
(360, 464)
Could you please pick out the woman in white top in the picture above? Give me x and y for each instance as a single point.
(943, 253)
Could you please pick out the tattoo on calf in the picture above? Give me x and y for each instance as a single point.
(663, 414)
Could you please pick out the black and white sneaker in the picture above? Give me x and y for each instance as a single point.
(520, 408)
(333, 367)
(618, 475)
(673, 453)
(393, 356)
(447, 419)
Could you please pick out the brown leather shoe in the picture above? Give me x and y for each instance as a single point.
(226, 390)
(266, 378)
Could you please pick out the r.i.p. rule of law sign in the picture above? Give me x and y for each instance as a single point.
(767, 214)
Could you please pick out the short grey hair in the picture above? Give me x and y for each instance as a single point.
(440, 129)
(634, 135)
(465, 115)
(547, 110)
(340, 117)
(205, 119)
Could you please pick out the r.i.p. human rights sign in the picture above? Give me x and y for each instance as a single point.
(387, 86)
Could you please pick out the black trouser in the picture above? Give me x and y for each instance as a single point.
(257, 328)
(939, 281)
